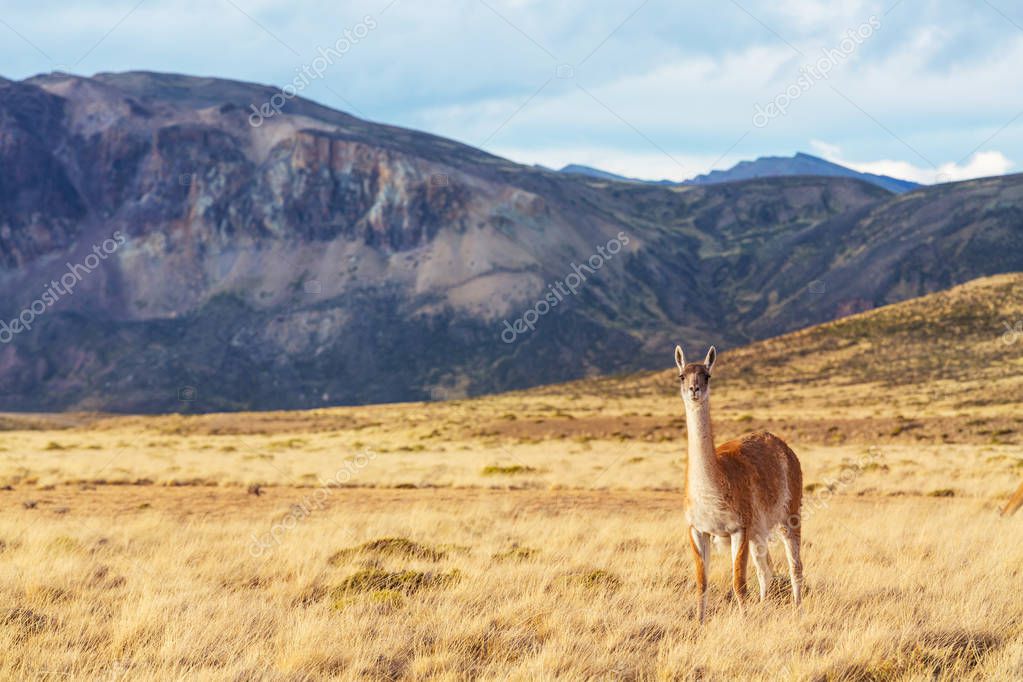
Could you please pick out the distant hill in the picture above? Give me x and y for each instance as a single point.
(946, 367)
(305, 257)
(800, 164)
(764, 167)
(962, 347)
(591, 172)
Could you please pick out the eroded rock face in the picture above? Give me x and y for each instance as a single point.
(40, 208)
(318, 259)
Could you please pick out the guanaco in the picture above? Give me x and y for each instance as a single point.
(743, 490)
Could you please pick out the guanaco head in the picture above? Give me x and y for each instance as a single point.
(695, 376)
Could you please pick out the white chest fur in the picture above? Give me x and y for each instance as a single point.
(706, 510)
(706, 513)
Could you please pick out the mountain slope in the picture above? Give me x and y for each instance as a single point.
(942, 368)
(317, 259)
(800, 164)
(922, 241)
(951, 350)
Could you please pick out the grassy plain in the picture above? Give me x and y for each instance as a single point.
(536, 534)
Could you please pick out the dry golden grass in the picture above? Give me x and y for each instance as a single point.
(537, 534)
(510, 585)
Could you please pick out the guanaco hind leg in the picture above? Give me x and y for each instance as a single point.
(790, 534)
(762, 562)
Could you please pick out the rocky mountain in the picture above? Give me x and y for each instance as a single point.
(177, 243)
(799, 164)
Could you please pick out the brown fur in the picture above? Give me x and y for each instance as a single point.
(749, 474)
(749, 478)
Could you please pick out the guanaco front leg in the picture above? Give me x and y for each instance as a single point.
(740, 555)
(700, 544)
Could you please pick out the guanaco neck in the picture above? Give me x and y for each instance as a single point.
(702, 463)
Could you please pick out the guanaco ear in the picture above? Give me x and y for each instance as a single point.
(680, 358)
(712, 355)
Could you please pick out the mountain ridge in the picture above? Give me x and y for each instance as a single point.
(319, 259)
(799, 164)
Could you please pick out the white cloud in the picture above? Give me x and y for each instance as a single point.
(684, 79)
(827, 151)
(979, 165)
(813, 14)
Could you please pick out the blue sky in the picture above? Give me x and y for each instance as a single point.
(924, 89)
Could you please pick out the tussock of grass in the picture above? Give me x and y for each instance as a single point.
(385, 600)
(406, 582)
(933, 655)
(402, 547)
(516, 554)
(47, 594)
(24, 621)
(65, 543)
(595, 579)
(510, 470)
